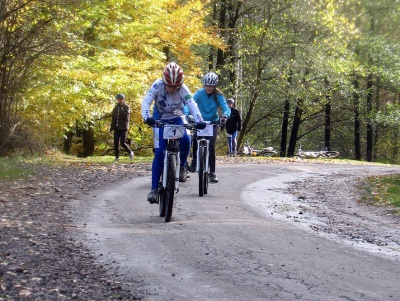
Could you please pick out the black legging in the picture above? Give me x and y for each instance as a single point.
(120, 137)
(212, 140)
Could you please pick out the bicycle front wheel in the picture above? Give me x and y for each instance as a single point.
(169, 193)
(206, 180)
(202, 160)
(161, 199)
(331, 154)
(267, 153)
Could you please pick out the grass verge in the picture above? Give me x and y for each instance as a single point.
(19, 167)
(382, 191)
(13, 168)
(58, 158)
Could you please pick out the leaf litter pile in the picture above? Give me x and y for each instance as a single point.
(39, 258)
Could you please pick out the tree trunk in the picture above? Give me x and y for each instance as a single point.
(328, 107)
(256, 88)
(295, 128)
(87, 141)
(253, 100)
(377, 108)
(212, 50)
(297, 120)
(87, 131)
(356, 109)
(286, 108)
(68, 142)
(221, 24)
(370, 130)
(6, 122)
(167, 53)
(285, 125)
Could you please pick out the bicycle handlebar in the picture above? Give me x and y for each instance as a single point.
(189, 126)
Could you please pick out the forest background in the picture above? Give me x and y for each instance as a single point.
(320, 73)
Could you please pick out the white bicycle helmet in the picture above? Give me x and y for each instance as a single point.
(210, 79)
(173, 75)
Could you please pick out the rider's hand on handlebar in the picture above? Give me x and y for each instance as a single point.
(190, 118)
(223, 120)
(150, 121)
(201, 125)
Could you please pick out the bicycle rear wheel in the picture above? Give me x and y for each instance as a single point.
(202, 173)
(267, 153)
(169, 192)
(331, 154)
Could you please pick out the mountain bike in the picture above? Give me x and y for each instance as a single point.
(250, 151)
(203, 154)
(324, 154)
(169, 183)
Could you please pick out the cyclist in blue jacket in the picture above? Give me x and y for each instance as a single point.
(170, 95)
(209, 99)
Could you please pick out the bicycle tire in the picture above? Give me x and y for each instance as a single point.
(206, 181)
(331, 154)
(170, 187)
(267, 153)
(161, 199)
(202, 160)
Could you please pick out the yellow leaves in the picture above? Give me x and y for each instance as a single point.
(187, 24)
(377, 197)
(129, 38)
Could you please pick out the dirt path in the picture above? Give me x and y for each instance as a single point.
(245, 233)
(40, 258)
(327, 202)
(334, 200)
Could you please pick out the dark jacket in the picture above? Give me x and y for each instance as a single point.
(234, 123)
(120, 117)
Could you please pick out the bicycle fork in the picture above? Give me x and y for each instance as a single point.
(202, 143)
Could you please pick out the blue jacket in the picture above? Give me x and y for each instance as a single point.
(208, 106)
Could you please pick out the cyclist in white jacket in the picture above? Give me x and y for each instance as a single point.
(170, 95)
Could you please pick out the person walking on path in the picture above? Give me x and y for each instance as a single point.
(120, 125)
(233, 126)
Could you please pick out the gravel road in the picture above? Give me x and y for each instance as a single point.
(41, 257)
(245, 239)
